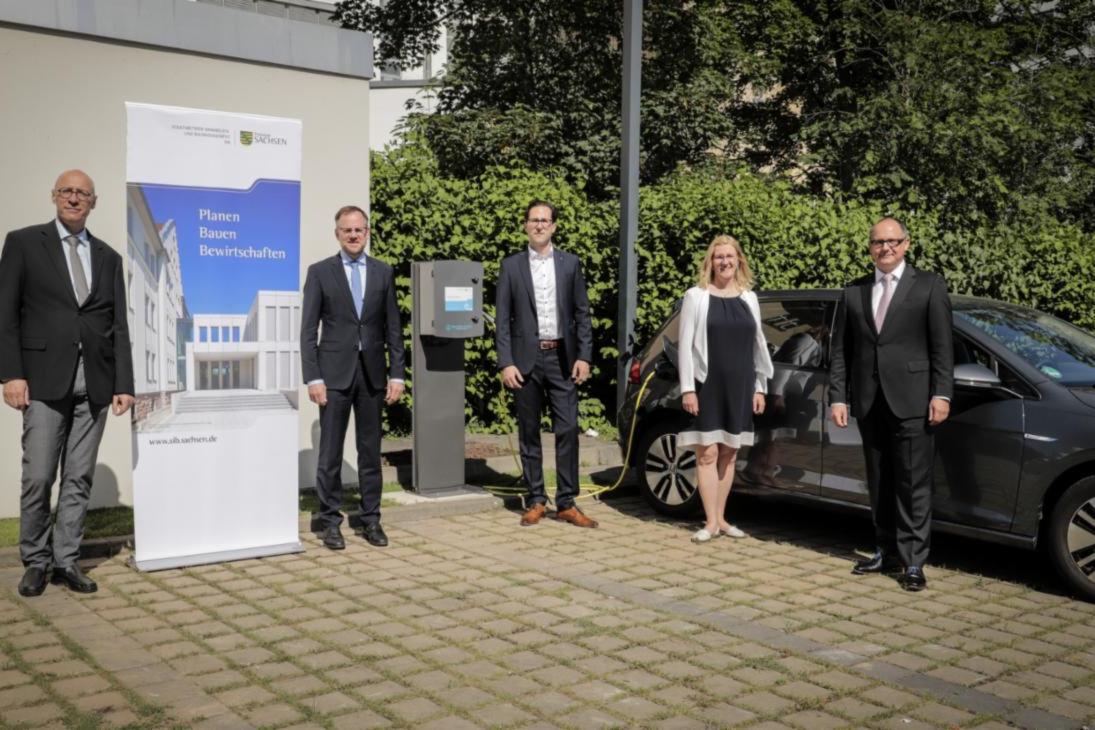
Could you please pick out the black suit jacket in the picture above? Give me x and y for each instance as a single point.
(518, 332)
(43, 329)
(911, 361)
(327, 299)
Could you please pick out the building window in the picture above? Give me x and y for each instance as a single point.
(270, 377)
(283, 324)
(271, 323)
(203, 334)
(216, 333)
(235, 334)
(283, 371)
(224, 335)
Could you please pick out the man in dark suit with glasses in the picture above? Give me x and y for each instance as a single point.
(64, 358)
(352, 295)
(892, 363)
(545, 344)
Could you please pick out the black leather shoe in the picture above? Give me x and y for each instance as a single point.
(33, 582)
(74, 578)
(877, 563)
(374, 534)
(913, 579)
(332, 538)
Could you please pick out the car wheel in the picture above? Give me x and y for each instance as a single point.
(1071, 537)
(667, 474)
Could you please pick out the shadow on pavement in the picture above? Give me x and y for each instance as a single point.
(847, 534)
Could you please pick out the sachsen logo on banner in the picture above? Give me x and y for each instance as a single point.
(250, 138)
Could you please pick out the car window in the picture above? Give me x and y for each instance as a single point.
(1059, 350)
(796, 331)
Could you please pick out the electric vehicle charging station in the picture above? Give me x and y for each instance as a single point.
(446, 309)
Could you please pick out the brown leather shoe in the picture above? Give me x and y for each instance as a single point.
(574, 516)
(533, 514)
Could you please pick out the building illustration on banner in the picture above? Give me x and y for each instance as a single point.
(188, 365)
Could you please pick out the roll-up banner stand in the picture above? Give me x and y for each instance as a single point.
(213, 256)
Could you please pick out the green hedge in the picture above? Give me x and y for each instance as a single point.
(792, 240)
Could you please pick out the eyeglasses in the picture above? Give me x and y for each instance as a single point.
(891, 242)
(538, 221)
(69, 192)
(348, 231)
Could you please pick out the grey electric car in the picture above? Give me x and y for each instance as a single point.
(1015, 461)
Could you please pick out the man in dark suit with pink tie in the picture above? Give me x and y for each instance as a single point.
(892, 364)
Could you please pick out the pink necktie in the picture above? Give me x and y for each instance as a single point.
(884, 302)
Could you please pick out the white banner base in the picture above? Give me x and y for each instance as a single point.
(181, 561)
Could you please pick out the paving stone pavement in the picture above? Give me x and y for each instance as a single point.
(470, 621)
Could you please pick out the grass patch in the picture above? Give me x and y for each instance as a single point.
(309, 502)
(104, 522)
(109, 522)
(118, 521)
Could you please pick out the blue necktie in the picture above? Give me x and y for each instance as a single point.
(355, 285)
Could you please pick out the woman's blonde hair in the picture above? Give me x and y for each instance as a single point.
(743, 277)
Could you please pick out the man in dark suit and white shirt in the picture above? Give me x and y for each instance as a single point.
(352, 295)
(893, 363)
(64, 357)
(545, 344)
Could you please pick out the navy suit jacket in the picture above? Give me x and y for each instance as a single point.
(43, 329)
(327, 300)
(911, 361)
(518, 329)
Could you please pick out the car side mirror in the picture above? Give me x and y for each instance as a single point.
(975, 375)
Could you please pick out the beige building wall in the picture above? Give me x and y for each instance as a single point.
(63, 99)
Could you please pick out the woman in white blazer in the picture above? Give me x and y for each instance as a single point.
(724, 370)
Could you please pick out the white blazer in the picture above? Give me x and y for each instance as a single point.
(692, 342)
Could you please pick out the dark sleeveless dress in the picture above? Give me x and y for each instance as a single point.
(726, 396)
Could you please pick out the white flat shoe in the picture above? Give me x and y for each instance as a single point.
(702, 535)
(732, 531)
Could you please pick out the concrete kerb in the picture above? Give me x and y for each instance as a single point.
(594, 453)
(414, 508)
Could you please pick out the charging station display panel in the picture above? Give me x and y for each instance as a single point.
(450, 298)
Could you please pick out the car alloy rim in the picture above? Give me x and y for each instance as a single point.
(670, 472)
(1081, 538)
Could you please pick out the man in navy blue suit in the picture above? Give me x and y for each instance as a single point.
(352, 295)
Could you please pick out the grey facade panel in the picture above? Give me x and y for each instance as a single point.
(203, 28)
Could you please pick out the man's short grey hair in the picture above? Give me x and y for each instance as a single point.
(904, 230)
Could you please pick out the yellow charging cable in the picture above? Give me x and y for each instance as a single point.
(595, 490)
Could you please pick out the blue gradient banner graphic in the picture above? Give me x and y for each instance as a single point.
(248, 238)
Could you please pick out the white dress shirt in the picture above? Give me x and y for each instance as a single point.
(83, 250)
(876, 290)
(543, 281)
